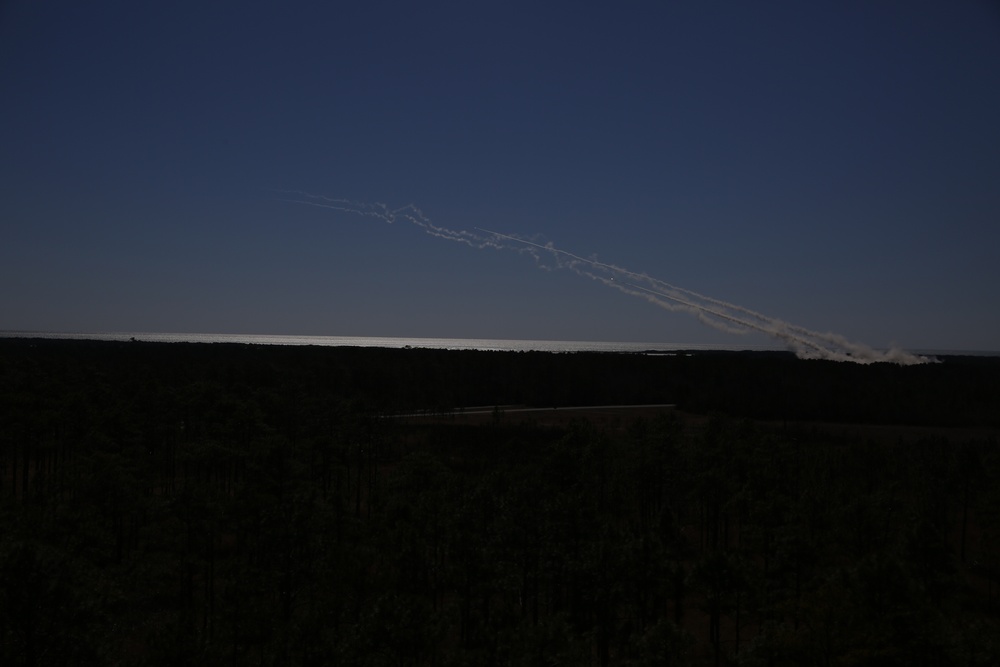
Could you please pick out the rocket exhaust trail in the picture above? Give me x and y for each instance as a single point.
(716, 313)
(802, 339)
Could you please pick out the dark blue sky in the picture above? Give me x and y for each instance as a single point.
(832, 164)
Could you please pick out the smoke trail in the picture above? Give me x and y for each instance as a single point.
(721, 315)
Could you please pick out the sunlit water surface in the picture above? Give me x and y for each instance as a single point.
(430, 343)
(378, 341)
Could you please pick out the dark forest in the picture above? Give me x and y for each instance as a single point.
(174, 503)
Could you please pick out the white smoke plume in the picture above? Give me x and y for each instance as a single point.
(718, 314)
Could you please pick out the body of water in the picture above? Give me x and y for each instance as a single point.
(431, 343)
(379, 341)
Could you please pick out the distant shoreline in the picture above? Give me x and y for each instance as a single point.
(484, 344)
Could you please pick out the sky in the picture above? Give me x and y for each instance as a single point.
(832, 165)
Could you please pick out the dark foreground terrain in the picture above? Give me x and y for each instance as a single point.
(249, 505)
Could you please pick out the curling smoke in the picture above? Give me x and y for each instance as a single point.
(718, 314)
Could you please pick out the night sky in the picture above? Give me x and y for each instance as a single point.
(833, 164)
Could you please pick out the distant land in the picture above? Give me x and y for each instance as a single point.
(432, 343)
